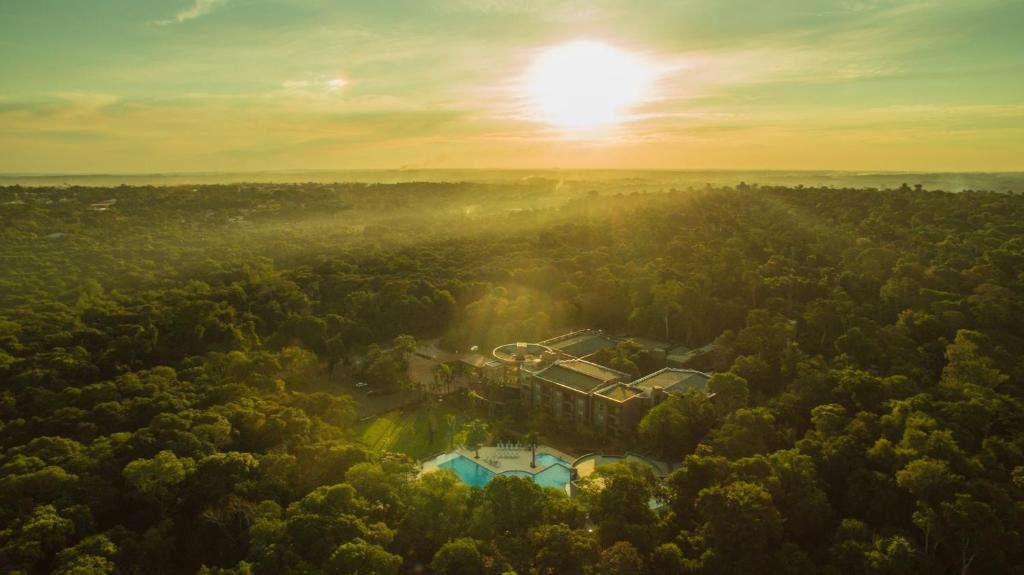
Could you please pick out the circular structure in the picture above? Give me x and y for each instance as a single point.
(522, 354)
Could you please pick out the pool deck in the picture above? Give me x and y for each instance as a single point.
(497, 460)
(589, 463)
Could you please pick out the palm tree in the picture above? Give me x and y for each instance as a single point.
(531, 438)
(431, 410)
(449, 419)
(475, 433)
(442, 373)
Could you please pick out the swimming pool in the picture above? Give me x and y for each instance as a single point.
(545, 459)
(555, 472)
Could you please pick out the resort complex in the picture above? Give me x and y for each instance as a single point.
(562, 378)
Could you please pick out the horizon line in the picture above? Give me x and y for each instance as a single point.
(413, 170)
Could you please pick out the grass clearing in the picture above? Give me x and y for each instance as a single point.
(409, 430)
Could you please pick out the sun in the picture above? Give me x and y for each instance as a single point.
(585, 85)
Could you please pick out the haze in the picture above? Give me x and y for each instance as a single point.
(128, 86)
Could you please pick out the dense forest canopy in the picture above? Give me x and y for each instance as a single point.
(163, 410)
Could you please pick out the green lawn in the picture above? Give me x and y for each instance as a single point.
(407, 431)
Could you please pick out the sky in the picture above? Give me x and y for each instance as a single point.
(146, 86)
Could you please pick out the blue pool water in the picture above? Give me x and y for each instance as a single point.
(468, 471)
(554, 471)
(545, 459)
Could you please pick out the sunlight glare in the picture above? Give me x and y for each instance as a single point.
(584, 85)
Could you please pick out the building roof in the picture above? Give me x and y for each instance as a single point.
(683, 354)
(475, 360)
(430, 350)
(673, 380)
(581, 344)
(619, 392)
(580, 375)
(520, 352)
(650, 344)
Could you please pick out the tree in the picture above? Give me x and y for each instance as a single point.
(667, 559)
(618, 498)
(474, 434)
(930, 480)
(743, 527)
(92, 555)
(965, 366)
(559, 550)
(419, 532)
(34, 538)
(159, 477)
(677, 425)
(745, 432)
(856, 549)
(357, 557)
(621, 559)
(511, 506)
(798, 494)
(442, 376)
(531, 438)
(666, 301)
(449, 421)
(459, 557)
(330, 516)
(731, 392)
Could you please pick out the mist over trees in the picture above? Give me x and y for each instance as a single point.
(163, 406)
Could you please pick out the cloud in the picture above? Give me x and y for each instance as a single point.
(493, 6)
(318, 86)
(198, 8)
(335, 84)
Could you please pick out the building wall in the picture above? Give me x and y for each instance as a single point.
(572, 406)
(618, 418)
(563, 403)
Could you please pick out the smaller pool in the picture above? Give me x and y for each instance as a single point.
(545, 459)
(468, 471)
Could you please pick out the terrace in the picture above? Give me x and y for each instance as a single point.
(581, 343)
(580, 375)
(673, 380)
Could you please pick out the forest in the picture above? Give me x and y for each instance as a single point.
(163, 410)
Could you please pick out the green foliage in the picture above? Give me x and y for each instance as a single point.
(677, 425)
(473, 435)
(510, 507)
(730, 390)
(30, 542)
(742, 525)
(176, 372)
(94, 555)
(621, 559)
(557, 549)
(747, 431)
(618, 497)
(459, 557)
(358, 557)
